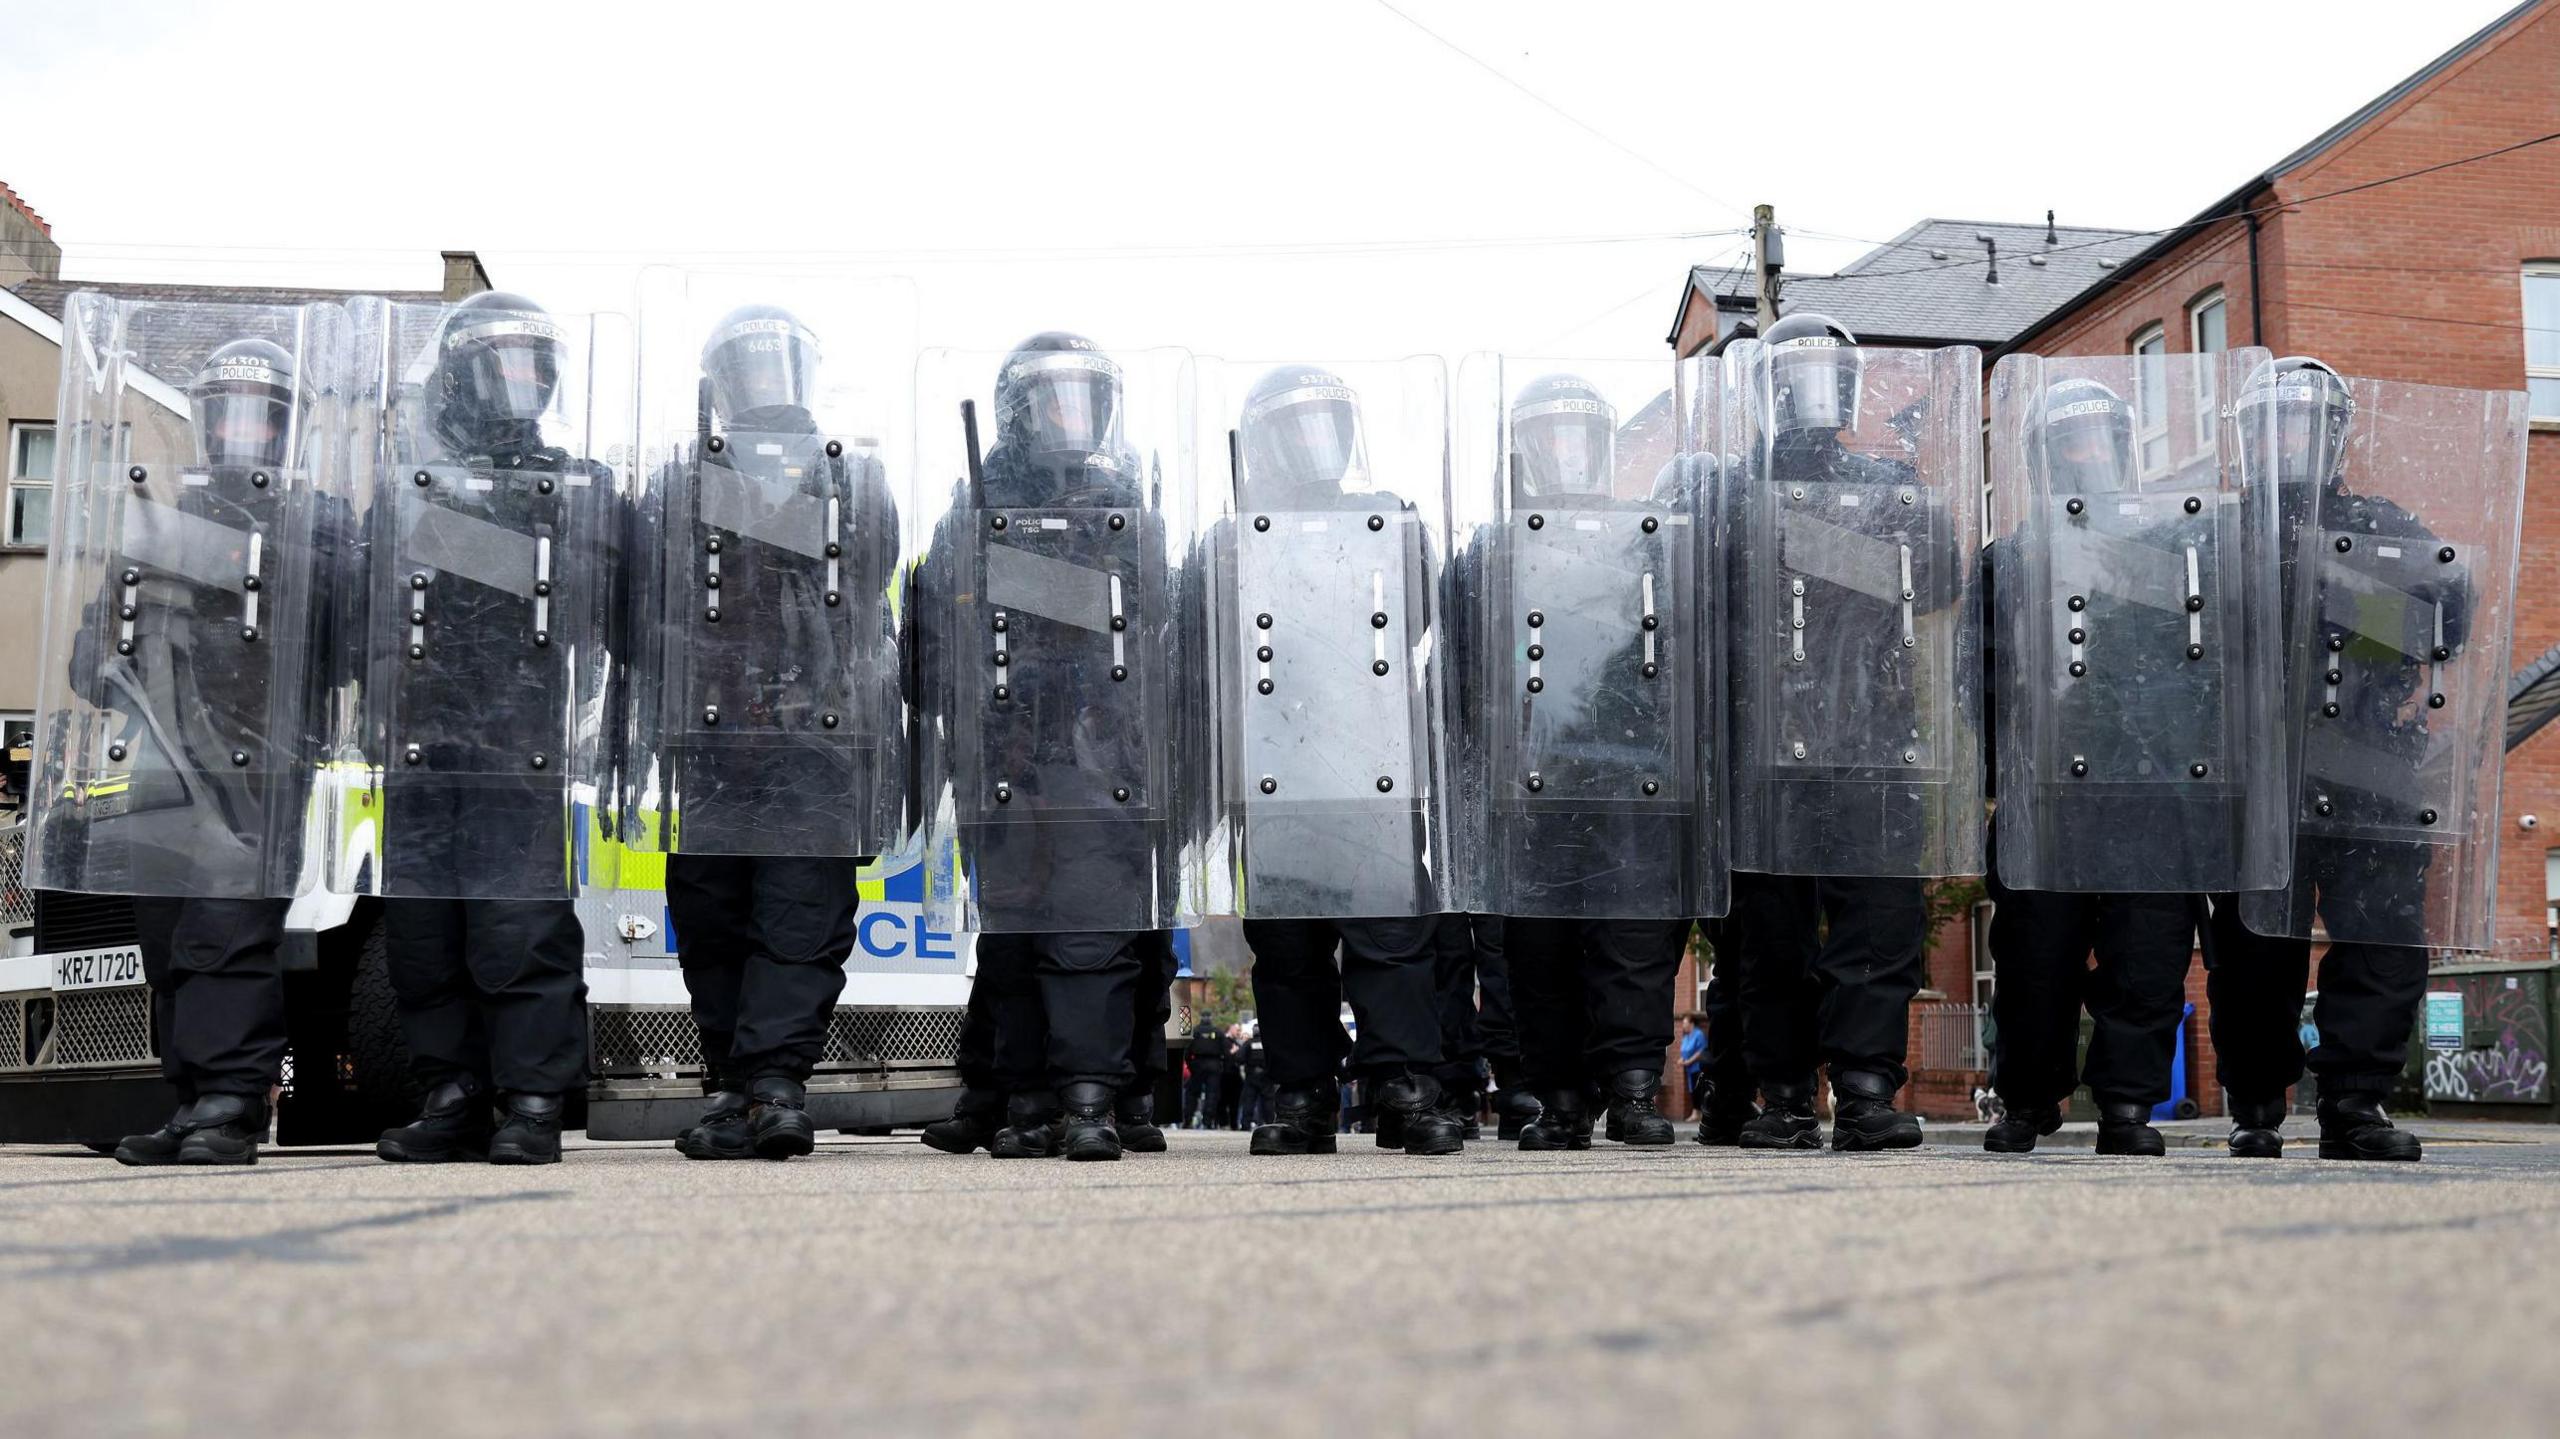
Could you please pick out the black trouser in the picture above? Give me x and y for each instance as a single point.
(1064, 1004)
(2369, 1000)
(763, 942)
(1386, 973)
(1200, 1094)
(493, 989)
(217, 991)
(1495, 1017)
(1453, 984)
(1727, 1070)
(1841, 998)
(1152, 1007)
(2040, 946)
(1594, 995)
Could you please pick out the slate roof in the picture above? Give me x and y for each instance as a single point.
(1930, 285)
(181, 351)
(2533, 697)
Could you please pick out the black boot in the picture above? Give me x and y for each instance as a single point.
(1563, 1122)
(1303, 1121)
(161, 1145)
(1513, 1109)
(2256, 1127)
(1134, 1116)
(973, 1123)
(528, 1129)
(1423, 1124)
(1033, 1127)
(1632, 1117)
(2018, 1129)
(722, 1132)
(453, 1125)
(225, 1129)
(1089, 1133)
(1863, 1118)
(1721, 1116)
(778, 1117)
(2352, 1126)
(1785, 1120)
(2124, 1129)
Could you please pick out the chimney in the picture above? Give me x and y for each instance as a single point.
(1991, 245)
(2051, 237)
(27, 250)
(464, 275)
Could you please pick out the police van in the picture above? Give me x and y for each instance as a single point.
(78, 1063)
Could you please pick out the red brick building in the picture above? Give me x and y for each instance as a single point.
(2393, 245)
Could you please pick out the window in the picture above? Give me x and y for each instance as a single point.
(17, 732)
(30, 463)
(2208, 333)
(2542, 339)
(2151, 396)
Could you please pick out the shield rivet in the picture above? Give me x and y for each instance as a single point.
(1652, 788)
(1537, 782)
(716, 444)
(1536, 684)
(1537, 522)
(1269, 784)
(1378, 667)
(1119, 522)
(1119, 673)
(115, 751)
(835, 449)
(1377, 522)
(828, 721)
(2426, 816)
(137, 474)
(2197, 769)
(1385, 785)
(2194, 504)
(1264, 686)
(1120, 793)
(1651, 669)
(1261, 523)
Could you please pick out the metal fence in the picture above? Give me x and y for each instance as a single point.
(1949, 1036)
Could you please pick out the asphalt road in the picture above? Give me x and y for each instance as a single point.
(879, 1288)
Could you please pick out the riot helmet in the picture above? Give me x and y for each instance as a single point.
(497, 367)
(243, 400)
(760, 359)
(1058, 395)
(1814, 369)
(1300, 437)
(1683, 480)
(2088, 438)
(2305, 410)
(1563, 438)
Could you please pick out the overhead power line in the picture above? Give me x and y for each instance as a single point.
(1561, 113)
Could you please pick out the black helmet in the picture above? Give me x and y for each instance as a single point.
(1563, 438)
(1814, 368)
(2088, 438)
(1300, 436)
(1058, 394)
(497, 366)
(2312, 412)
(243, 401)
(759, 357)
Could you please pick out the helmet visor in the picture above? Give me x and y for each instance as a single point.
(1813, 385)
(1308, 444)
(241, 428)
(1063, 400)
(1566, 449)
(762, 364)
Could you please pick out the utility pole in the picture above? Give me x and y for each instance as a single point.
(1768, 258)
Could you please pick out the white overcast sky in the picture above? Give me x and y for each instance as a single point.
(1108, 167)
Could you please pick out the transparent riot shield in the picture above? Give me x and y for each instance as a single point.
(1584, 572)
(1054, 739)
(493, 538)
(1327, 661)
(178, 700)
(2400, 515)
(766, 716)
(2134, 628)
(1853, 534)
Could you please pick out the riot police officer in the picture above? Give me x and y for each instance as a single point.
(2369, 893)
(1610, 699)
(1829, 962)
(1334, 913)
(2134, 716)
(1054, 749)
(779, 546)
(217, 982)
(1004, 1040)
(491, 990)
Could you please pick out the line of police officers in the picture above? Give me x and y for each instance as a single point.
(1499, 707)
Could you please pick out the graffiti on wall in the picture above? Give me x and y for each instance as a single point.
(2515, 1069)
